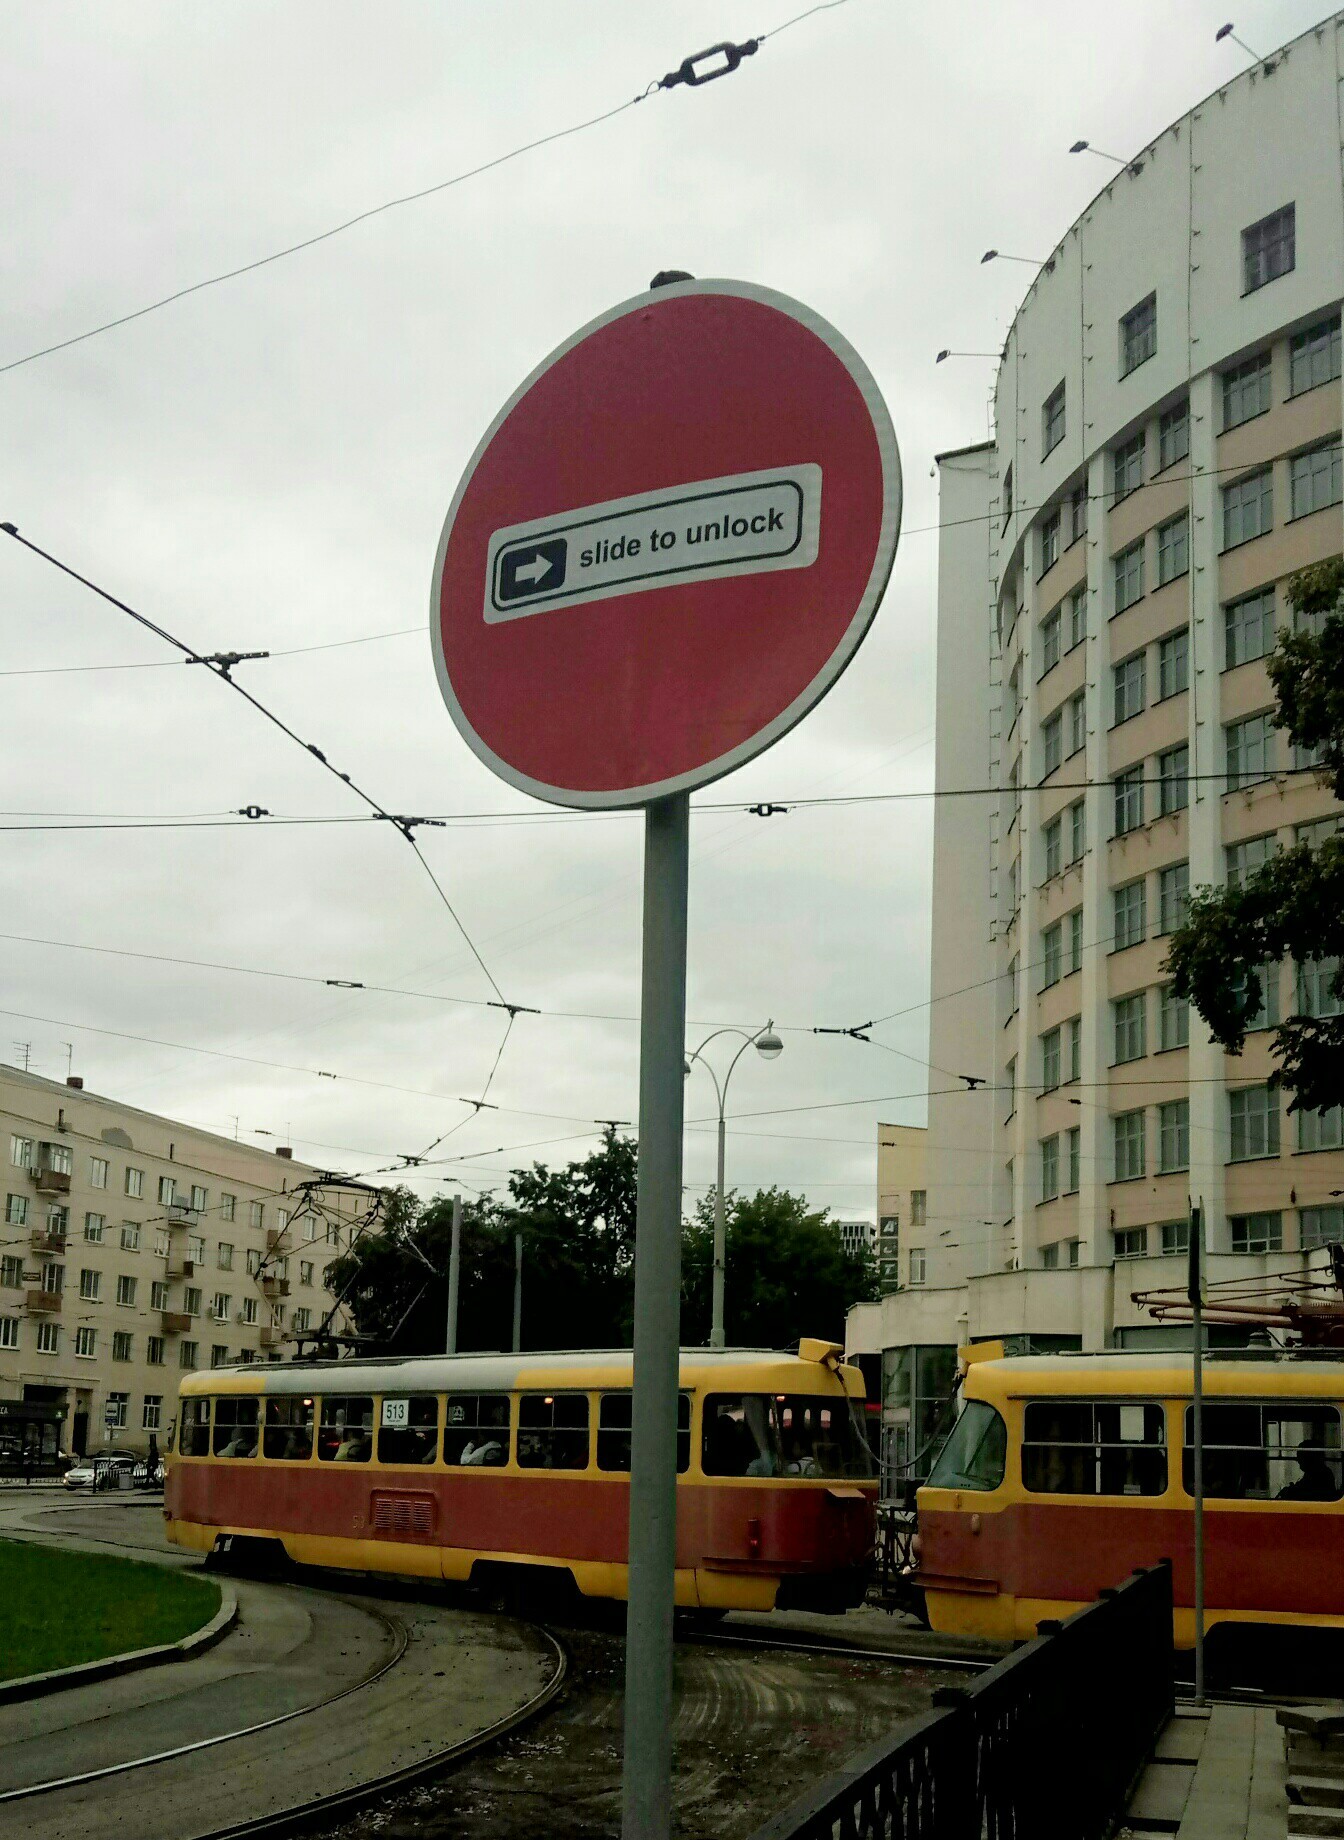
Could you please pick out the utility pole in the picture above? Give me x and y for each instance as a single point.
(1196, 1294)
(517, 1292)
(454, 1273)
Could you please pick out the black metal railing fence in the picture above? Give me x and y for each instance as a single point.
(1048, 1741)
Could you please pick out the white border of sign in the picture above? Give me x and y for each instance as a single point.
(633, 796)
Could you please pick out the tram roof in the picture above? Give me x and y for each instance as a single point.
(1163, 1373)
(766, 1368)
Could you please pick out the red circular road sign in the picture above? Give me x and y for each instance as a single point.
(667, 547)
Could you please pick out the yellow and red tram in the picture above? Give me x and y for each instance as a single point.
(1063, 1473)
(453, 1467)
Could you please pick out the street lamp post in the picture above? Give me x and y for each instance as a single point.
(768, 1045)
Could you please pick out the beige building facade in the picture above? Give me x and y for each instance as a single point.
(902, 1205)
(1112, 575)
(135, 1249)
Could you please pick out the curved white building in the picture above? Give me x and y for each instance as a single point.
(1112, 571)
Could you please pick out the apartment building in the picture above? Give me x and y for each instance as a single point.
(1112, 574)
(136, 1248)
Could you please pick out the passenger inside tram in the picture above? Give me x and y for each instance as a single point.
(1316, 1482)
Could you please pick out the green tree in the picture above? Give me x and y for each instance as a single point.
(786, 1275)
(1293, 905)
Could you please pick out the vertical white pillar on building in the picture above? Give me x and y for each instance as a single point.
(1204, 818)
(1093, 1112)
(1026, 1171)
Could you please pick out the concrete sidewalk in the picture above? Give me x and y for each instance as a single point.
(1215, 1775)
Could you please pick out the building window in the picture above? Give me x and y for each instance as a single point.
(1320, 1226)
(305, 1271)
(97, 1172)
(1077, 830)
(94, 1226)
(197, 1197)
(303, 1321)
(253, 1262)
(1075, 1137)
(21, 1152)
(1317, 979)
(1315, 833)
(16, 1210)
(135, 1182)
(11, 1272)
(919, 1207)
(1074, 924)
(1050, 634)
(1129, 1158)
(1129, 690)
(1128, 1013)
(1316, 478)
(1248, 626)
(48, 1338)
(1007, 506)
(1173, 776)
(221, 1307)
(1047, 543)
(228, 1207)
(1253, 1112)
(154, 1351)
(1077, 507)
(1138, 335)
(115, 1416)
(1050, 1060)
(1052, 743)
(1075, 1047)
(1130, 1242)
(151, 1419)
(1128, 800)
(1053, 835)
(1077, 605)
(191, 1300)
(1052, 421)
(1175, 1238)
(9, 1331)
(219, 1354)
(1010, 1086)
(1049, 1168)
(1072, 1249)
(1250, 751)
(309, 1228)
(1173, 1137)
(126, 1290)
(1247, 391)
(86, 1344)
(161, 1243)
(1173, 664)
(1259, 1007)
(130, 1236)
(224, 1255)
(1128, 570)
(1268, 248)
(1127, 467)
(1173, 1020)
(167, 1190)
(1052, 955)
(1248, 508)
(158, 1295)
(196, 1249)
(1173, 549)
(90, 1284)
(1243, 859)
(121, 1345)
(188, 1354)
(256, 1214)
(1173, 434)
(1130, 926)
(918, 1265)
(1321, 1130)
(1077, 723)
(249, 1309)
(1256, 1232)
(1314, 356)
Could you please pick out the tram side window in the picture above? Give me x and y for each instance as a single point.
(408, 1430)
(613, 1432)
(194, 1437)
(289, 1429)
(345, 1434)
(782, 1434)
(476, 1430)
(1094, 1447)
(975, 1452)
(1285, 1451)
(553, 1431)
(236, 1427)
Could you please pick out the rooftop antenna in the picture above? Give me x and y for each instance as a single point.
(25, 1048)
(69, 1047)
(1266, 64)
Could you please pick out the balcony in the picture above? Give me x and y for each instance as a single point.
(174, 1322)
(43, 1303)
(181, 1214)
(49, 1181)
(42, 1241)
(272, 1288)
(274, 1235)
(180, 1268)
(271, 1337)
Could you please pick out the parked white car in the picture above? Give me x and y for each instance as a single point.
(84, 1473)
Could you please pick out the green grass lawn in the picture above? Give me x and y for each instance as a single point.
(59, 1608)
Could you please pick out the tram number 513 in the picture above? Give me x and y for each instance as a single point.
(396, 1413)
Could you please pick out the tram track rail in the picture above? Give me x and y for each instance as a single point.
(851, 1651)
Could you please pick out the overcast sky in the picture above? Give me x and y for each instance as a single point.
(267, 464)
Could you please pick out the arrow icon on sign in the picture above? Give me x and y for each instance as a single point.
(533, 571)
(532, 566)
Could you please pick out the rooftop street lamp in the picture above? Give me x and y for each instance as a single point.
(768, 1045)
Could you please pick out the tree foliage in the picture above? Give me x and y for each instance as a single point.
(788, 1275)
(1293, 905)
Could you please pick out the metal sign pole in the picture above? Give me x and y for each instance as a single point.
(1196, 1293)
(647, 1777)
(454, 1273)
(517, 1293)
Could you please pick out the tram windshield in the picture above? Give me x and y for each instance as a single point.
(975, 1452)
(782, 1434)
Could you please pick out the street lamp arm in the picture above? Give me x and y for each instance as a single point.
(696, 1055)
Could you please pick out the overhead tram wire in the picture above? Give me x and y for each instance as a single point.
(221, 665)
(165, 664)
(685, 73)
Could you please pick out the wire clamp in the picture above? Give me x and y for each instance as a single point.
(253, 811)
(688, 70)
(766, 811)
(514, 1009)
(855, 1034)
(221, 663)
